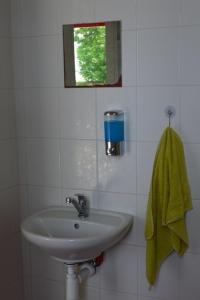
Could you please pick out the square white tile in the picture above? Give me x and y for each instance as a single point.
(189, 277)
(75, 11)
(147, 298)
(18, 62)
(158, 13)
(117, 10)
(13, 291)
(43, 197)
(43, 162)
(19, 113)
(145, 159)
(89, 293)
(16, 19)
(190, 12)
(105, 295)
(45, 267)
(129, 60)
(158, 56)
(11, 258)
(40, 61)
(26, 259)
(47, 289)
(117, 174)
(151, 117)
(60, 62)
(167, 284)
(23, 202)
(192, 154)
(78, 164)
(7, 114)
(142, 201)
(42, 118)
(6, 63)
(190, 117)
(119, 271)
(193, 223)
(39, 17)
(5, 26)
(9, 213)
(22, 161)
(117, 99)
(78, 113)
(8, 162)
(189, 55)
(123, 203)
(27, 288)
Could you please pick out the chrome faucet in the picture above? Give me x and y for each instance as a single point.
(80, 204)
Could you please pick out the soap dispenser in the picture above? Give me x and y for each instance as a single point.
(114, 132)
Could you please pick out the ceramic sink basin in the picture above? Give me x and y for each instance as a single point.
(64, 236)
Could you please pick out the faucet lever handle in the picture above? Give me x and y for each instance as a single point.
(81, 199)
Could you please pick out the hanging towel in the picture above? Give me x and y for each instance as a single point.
(169, 199)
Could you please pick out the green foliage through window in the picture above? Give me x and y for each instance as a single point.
(90, 53)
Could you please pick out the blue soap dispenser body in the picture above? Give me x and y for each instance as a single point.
(114, 132)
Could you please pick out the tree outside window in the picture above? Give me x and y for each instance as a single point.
(90, 56)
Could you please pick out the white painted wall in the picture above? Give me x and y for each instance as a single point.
(10, 249)
(60, 133)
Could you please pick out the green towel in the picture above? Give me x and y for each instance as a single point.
(169, 199)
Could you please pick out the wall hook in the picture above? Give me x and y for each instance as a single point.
(170, 112)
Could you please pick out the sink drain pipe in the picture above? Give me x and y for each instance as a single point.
(74, 278)
(86, 270)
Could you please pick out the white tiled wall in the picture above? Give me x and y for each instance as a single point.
(60, 133)
(10, 249)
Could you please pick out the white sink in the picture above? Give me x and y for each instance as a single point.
(64, 236)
